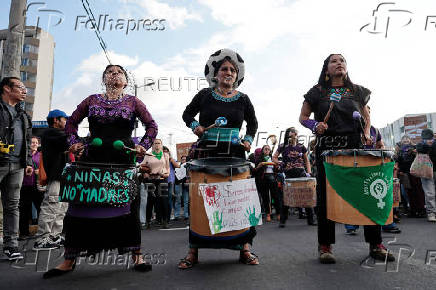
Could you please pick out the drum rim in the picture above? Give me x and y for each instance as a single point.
(300, 179)
(359, 152)
(242, 162)
(101, 164)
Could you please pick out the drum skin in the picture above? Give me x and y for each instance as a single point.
(299, 186)
(338, 209)
(199, 223)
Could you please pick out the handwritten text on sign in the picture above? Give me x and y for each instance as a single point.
(231, 206)
(89, 185)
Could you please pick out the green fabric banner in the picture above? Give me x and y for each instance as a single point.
(367, 189)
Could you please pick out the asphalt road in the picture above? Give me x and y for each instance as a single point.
(288, 260)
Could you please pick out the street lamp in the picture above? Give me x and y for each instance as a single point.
(143, 86)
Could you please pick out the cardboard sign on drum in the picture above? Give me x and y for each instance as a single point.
(97, 185)
(231, 205)
(300, 192)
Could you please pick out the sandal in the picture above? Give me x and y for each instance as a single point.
(187, 263)
(253, 259)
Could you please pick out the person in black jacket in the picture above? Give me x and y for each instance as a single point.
(405, 154)
(428, 146)
(52, 212)
(15, 135)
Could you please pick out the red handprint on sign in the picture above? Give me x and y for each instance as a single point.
(211, 195)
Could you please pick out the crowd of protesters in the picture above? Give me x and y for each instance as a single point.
(31, 167)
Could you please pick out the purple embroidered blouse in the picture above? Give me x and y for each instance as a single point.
(104, 111)
(108, 117)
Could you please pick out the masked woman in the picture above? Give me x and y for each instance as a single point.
(224, 72)
(111, 117)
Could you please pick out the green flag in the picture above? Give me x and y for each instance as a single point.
(367, 189)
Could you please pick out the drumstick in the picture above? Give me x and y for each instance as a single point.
(327, 116)
(334, 97)
(220, 121)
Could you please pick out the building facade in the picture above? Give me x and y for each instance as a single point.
(412, 125)
(36, 71)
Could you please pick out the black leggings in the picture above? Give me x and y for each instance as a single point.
(157, 198)
(28, 195)
(267, 185)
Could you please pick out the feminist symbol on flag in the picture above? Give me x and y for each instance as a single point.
(379, 189)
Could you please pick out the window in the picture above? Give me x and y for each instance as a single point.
(26, 48)
(31, 77)
(23, 76)
(31, 92)
(28, 62)
(30, 48)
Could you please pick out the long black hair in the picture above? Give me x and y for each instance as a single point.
(323, 83)
(286, 139)
(262, 154)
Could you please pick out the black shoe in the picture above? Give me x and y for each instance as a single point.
(58, 240)
(12, 253)
(45, 244)
(311, 221)
(23, 237)
(351, 232)
(281, 225)
(143, 267)
(394, 230)
(57, 272)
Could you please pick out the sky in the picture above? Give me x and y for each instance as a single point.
(283, 43)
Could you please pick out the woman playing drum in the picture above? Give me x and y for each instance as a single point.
(111, 118)
(224, 72)
(295, 164)
(333, 101)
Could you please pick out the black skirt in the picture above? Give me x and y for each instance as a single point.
(231, 243)
(93, 235)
